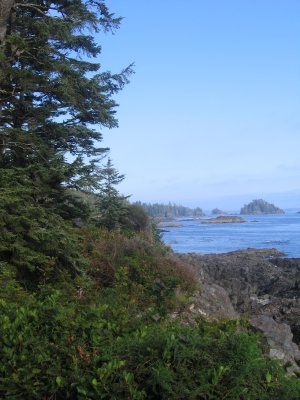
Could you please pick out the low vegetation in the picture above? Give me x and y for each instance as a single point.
(107, 332)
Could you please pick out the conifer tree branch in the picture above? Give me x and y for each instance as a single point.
(35, 7)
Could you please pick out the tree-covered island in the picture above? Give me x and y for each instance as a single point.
(170, 210)
(260, 207)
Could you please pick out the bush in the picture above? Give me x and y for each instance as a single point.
(146, 272)
(208, 361)
(35, 240)
(136, 218)
(65, 349)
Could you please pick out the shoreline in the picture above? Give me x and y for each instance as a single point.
(277, 231)
(262, 285)
(262, 252)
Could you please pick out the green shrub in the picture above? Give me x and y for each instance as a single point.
(136, 218)
(146, 271)
(106, 333)
(65, 349)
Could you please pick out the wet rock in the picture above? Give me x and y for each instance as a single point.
(259, 284)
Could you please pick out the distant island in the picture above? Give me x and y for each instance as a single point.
(223, 220)
(260, 207)
(217, 211)
(170, 210)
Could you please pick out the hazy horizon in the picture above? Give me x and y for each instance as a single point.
(234, 203)
(211, 116)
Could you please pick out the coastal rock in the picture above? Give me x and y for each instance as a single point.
(262, 286)
(168, 225)
(223, 220)
(214, 302)
(280, 340)
(260, 206)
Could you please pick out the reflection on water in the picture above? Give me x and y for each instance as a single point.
(280, 231)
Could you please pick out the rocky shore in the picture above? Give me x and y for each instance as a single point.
(258, 284)
(230, 219)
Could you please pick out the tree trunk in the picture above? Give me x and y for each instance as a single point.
(5, 12)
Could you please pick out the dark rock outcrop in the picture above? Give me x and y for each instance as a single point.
(280, 340)
(213, 302)
(258, 284)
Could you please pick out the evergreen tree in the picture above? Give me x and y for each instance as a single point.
(53, 101)
(49, 96)
(112, 207)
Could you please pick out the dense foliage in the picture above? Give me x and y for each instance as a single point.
(64, 346)
(111, 333)
(170, 210)
(52, 104)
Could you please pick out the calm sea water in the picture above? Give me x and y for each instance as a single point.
(260, 231)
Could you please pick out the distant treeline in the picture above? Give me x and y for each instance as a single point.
(170, 210)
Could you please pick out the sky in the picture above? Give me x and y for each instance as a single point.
(211, 116)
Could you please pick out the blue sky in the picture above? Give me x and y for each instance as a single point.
(211, 116)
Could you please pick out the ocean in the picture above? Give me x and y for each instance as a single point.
(260, 231)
